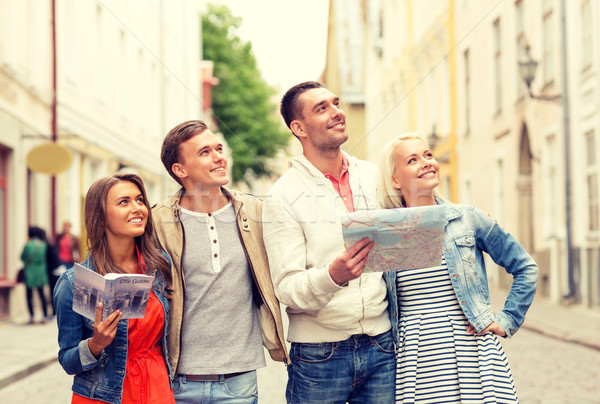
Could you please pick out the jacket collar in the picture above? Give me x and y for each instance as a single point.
(300, 162)
(173, 201)
(452, 211)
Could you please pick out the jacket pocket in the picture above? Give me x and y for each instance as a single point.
(465, 244)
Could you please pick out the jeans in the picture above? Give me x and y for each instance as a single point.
(360, 369)
(242, 389)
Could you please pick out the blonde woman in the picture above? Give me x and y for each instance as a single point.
(449, 349)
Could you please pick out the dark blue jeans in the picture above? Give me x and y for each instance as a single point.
(360, 369)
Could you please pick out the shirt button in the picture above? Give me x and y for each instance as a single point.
(215, 241)
(216, 255)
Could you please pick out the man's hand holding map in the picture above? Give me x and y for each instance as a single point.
(405, 238)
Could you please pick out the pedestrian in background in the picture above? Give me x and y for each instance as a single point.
(36, 273)
(54, 267)
(342, 345)
(224, 309)
(67, 245)
(117, 360)
(449, 350)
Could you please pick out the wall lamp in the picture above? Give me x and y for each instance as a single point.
(527, 67)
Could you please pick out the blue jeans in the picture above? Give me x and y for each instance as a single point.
(360, 369)
(242, 389)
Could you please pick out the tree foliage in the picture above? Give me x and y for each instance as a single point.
(242, 101)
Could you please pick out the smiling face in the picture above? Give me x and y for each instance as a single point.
(322, 123)
(202, 161)
(126, 213)
(416, 172)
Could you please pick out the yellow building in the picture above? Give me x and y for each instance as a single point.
(410, 76)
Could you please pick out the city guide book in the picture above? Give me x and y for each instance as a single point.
(405, 238)
(126, 292)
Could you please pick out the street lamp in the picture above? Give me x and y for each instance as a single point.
(433, 138)
(527, 67)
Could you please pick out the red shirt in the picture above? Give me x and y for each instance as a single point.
(342, 186)
(147, 378)
(65, 248)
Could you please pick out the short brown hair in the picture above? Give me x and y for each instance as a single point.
(290, 107)
(169, 153)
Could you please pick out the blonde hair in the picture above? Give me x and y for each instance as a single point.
(388, 196)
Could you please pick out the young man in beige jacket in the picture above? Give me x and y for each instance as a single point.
(223, 308)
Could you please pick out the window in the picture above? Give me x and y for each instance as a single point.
(497, 67)
(71, 42)
(520, 43)
(124, 80)
(100, 65)
(551, 187)
(467, 92)
(549, 43)
(592, 182)
(466, 191)
(586, 35)
(3, 211)
(500, 204)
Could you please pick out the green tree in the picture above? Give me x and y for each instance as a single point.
(242, 102)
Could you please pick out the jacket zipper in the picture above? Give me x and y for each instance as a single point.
(177, 215)
(264, 301)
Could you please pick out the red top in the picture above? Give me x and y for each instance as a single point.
(65, 248)
(343, 185)
(146, 378)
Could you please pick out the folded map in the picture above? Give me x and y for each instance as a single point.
(405, 238)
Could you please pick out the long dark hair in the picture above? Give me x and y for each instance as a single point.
(95, 226)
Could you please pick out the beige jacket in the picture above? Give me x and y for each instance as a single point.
(248, 210)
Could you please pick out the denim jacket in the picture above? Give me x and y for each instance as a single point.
(100, 378)
(469, 233)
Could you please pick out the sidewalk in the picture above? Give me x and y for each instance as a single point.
(27, 348)
(567, 323)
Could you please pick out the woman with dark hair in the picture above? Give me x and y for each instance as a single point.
(36, 277)
(117, 360)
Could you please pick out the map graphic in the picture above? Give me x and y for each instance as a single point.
(405, 238)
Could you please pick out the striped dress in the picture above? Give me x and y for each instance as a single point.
(438, 360)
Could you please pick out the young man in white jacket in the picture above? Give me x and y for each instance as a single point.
(342, 349)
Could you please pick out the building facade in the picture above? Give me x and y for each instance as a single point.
(450, 70)
(541, 171)
(344, 73)
(126, 72)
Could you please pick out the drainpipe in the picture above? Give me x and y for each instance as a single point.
(54, 124)
(567, 156)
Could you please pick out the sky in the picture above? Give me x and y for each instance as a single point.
(289, 37)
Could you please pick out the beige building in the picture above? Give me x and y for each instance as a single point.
(449, 69)
(126, 72)
(530, 142)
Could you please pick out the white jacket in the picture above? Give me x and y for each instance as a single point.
(303, 235)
